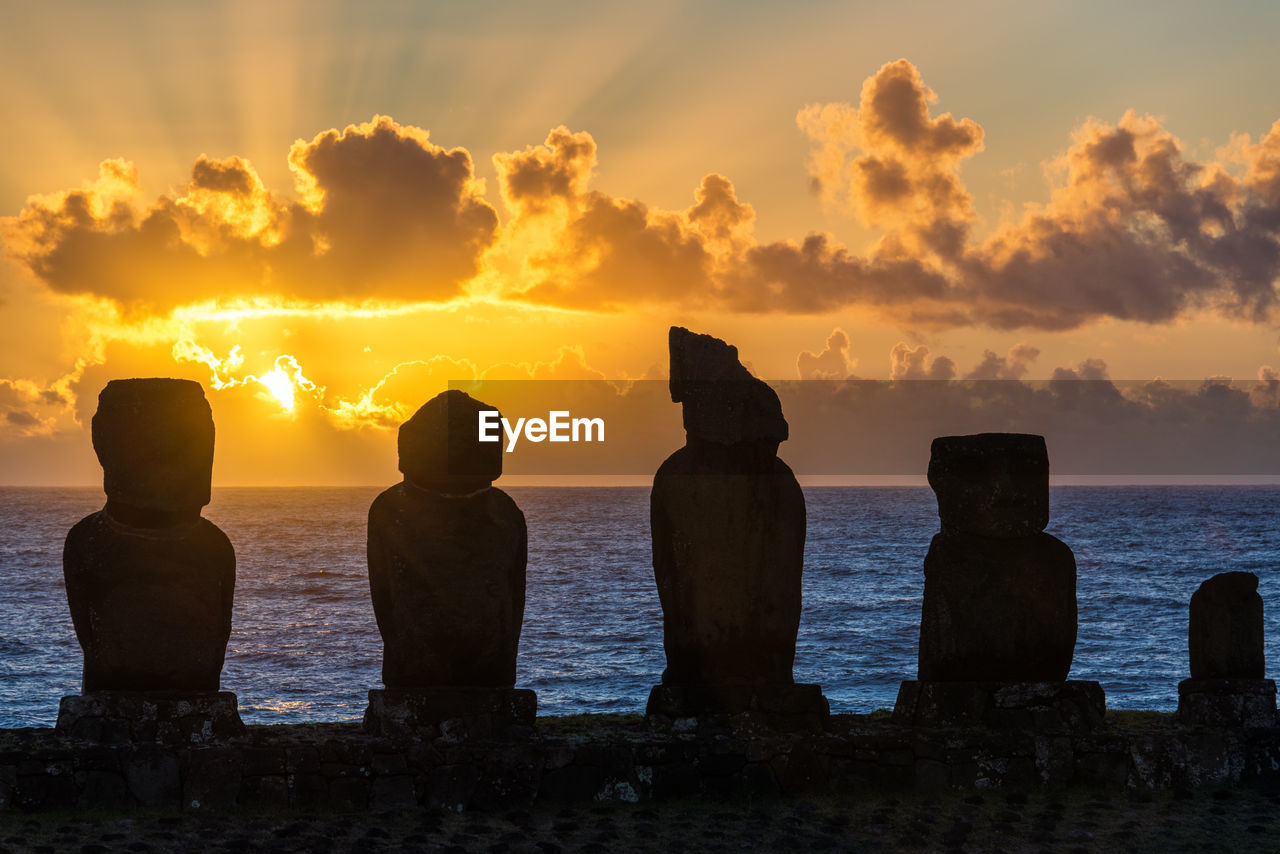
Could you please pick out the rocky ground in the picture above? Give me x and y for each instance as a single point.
(1074, 821)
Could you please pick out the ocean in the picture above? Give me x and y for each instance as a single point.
(304, 645)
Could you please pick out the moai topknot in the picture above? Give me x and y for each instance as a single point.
(728, 526)
(149, 582)
(447, 553)
(999, 593)
(1228, 662)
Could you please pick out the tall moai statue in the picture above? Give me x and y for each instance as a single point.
(149, 581)
(447, 553)
(998, 622)
(728, 527)
(1228, 684)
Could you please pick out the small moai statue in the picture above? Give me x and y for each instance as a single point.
(447, 553)
(998, 622)
(728, 527)
(149, 581)
(1228, 662)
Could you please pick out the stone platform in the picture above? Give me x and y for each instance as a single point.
(123, 717)
(1046, 707)
(783, 707)
(1228, 702)
(598, 758)
(449, 712)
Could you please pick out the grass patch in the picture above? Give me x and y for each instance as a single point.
(1139, 720)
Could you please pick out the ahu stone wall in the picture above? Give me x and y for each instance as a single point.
(586, 758)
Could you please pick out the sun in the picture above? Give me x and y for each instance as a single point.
(279, 386)
(283, 381)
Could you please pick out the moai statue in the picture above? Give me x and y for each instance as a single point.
(728, 526)
(1228, 664)
(999, 593)
(447, 553)
(149, 581)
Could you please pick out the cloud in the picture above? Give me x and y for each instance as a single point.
(832, 363)
(890, 161)
(289, 393)
(547, 176)
(18, 402)
(384, 213)
(1135, 231)
(818, 276)
(1266, 394)
(1011, 367)
(570, 363)
(588, 250)
(1132, 228)
(397, 395)
(1093, 425)
(39, 408)
(908, 363)
(585, 249)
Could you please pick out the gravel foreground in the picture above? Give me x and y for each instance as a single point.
(1073, 821)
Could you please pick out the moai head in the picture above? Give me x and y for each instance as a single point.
(723, 403)
(154, 438)
(991, 484)
(1225, 636)
(440, 447)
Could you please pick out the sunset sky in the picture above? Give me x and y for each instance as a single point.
(325, 212)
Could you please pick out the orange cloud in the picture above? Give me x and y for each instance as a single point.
(590, 250)
(597, 251)
(912, 363)
(832, 363)
(1014, 366)
(384, 213)
(893, 163)
(1135, 231)
(1132, 230)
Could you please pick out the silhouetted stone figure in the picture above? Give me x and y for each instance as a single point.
(149, 582)
(1224, 637)
(447, 554)
(728, 526)
(1228, 662)
(999, 593)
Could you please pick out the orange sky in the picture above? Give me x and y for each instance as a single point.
(326, 216)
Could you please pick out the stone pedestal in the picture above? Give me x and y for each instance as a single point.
(1047, 707)
(785, 707)
(460, 713)
(122, 717)
(1228, 702)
